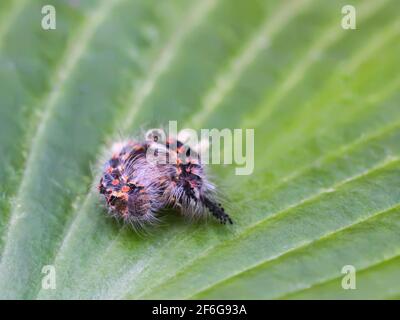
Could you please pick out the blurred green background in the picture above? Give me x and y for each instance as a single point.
(324, 103)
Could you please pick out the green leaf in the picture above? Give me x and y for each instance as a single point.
(324, 103)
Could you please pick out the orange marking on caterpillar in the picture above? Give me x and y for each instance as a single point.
(138, 148)
(125, 189)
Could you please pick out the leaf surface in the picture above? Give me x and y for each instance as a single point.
(324, 104)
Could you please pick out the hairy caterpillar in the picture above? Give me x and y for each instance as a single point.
(136, 189)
